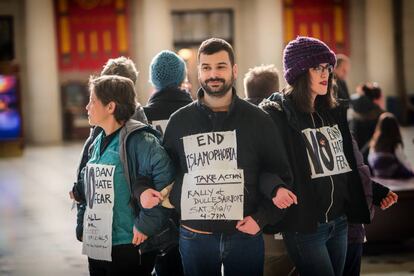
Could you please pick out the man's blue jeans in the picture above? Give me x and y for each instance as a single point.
(321, 253)
(204, 254)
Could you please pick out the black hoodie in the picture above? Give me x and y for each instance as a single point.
(165, 102)
(313, 193)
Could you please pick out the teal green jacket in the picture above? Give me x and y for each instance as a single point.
(146, 165)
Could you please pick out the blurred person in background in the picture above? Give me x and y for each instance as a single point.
(386, 155)
(260, 82)
(167, 72)
(125, 67)
(341, 71)
(365, 108)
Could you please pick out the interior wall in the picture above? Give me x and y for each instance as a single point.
(408, 42)
(262, 24)
(45, 110)
(153, 25)
(258, 32)
(358, 72)
(239, 47)
(379, 33)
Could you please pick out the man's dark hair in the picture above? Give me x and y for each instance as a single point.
(261, 81)
(215, 45)
(115, 89)
(121, 66)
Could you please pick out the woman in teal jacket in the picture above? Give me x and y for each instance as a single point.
(125, 159)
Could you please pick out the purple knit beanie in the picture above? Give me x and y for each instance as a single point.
(304, 53)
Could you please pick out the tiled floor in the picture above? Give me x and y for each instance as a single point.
(36, 221)
(389, 264)
(37, 224)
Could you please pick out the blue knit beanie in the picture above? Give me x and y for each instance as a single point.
(304, 53)
(167, 69)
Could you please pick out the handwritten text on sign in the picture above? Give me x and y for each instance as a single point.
(213, 195)
(325, 151)
(97, 223)
(211, 150)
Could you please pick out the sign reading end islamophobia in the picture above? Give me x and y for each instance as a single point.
(213, 195)
(213, 150)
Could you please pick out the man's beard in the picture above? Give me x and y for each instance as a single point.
(217, 93)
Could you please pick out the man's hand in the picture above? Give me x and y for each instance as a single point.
(284, 198)
(248, 225)
(389, 200)
(138, 237)
(150, 198)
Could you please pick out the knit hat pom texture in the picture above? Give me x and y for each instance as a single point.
(304, 53)
(167, 69)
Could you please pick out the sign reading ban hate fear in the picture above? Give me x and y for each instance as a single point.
(97, 222)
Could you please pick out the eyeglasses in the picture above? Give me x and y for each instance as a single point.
(320, 69)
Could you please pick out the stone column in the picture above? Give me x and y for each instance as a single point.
(269, 34)
(44, 107)
(379, 31)
(153, 25)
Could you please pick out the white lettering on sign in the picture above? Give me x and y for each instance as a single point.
(97, 223)
(211, 150)
(213, 195)
(325, 151)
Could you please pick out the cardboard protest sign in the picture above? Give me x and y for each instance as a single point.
(97, 223)
(213, 150)
(160, 125)
(325, 151)
(213, 195)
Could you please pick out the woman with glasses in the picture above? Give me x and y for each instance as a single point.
(326, 180)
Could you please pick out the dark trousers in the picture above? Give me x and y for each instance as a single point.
(353, 259)
(203, 254)
(169, 264)
(126, 260)
(321, 253)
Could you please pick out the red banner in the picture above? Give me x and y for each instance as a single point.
(90, 31)
(323, 19)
